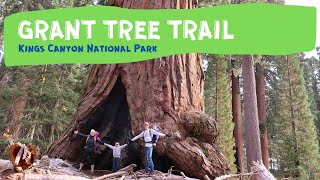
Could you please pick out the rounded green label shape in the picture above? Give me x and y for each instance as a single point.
(108, 35)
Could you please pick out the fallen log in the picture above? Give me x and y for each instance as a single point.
(183, 175)
(5, 165)
(234, 175)
(122, 172)
(177, 178)
(262, 171)
(186, 177)
(159, 173)
(19, 176)
(47, 168)
(112, 175)
(129, 168)
(257, 169)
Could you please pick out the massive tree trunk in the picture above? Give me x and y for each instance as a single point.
(251, 121)
(236, 117)
(261, 102)
(167, 91)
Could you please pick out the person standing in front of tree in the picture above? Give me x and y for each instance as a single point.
(116, 155)
(89, 149)
(147, 135)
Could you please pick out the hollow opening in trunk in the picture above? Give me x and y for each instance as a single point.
(111, 118)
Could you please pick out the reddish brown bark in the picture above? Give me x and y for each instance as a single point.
(167, 91)
(18, 105)
(261, 102)
(251, 121)
(237, 119)
(4, 78)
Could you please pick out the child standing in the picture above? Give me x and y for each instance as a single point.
(116, 155)
(155, 137)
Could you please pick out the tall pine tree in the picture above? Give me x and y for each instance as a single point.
(296, 146)
(218, 103)
(311, 76)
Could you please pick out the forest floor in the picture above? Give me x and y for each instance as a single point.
(49, 168)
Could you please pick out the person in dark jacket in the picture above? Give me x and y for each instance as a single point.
(89, 149)
(155, 137)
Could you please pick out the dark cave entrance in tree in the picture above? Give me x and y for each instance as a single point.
(112, 120)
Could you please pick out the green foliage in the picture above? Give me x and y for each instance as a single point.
(295, 145)
(8, 7)
(218, 103)
(311, 76)
(54, 90)
(52, 97)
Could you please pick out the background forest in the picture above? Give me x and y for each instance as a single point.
(38, 102)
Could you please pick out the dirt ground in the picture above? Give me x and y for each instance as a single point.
(57, 169)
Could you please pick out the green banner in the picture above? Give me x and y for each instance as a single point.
(107, 35)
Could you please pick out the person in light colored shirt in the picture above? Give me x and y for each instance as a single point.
(147, 135)
(116, 155)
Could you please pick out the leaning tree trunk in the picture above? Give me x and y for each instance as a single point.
(251, 121)
(167, 91)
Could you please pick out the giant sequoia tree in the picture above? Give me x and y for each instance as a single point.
(167, 91)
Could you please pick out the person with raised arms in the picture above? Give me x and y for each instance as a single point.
(90, 148)
(147, 135)
(116, 155)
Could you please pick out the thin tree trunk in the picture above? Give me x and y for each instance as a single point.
(237, 119)
(57, 106)
(4, 78)
(33, 128)
(34, 125)
(261, 91)
(292, 110)
(315, 86)
(18, 105)
(216, 90)
(251, 121)
(51, 133)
